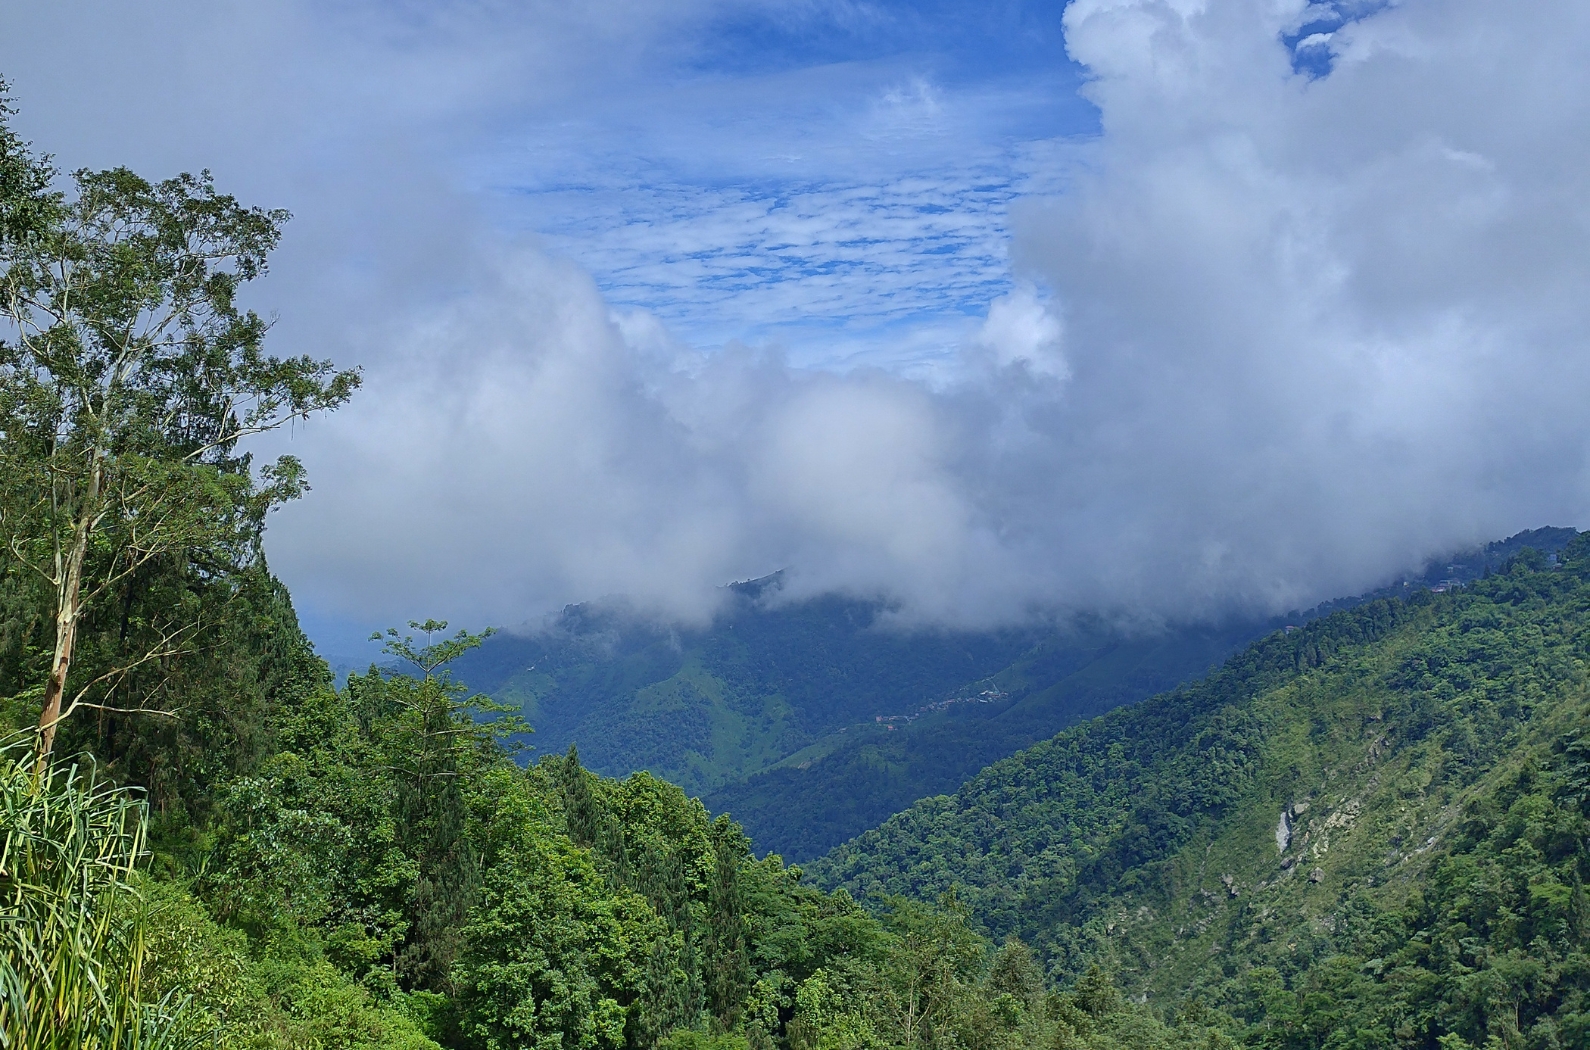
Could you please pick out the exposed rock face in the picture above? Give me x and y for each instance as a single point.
(1317, 875)
(1283, 833)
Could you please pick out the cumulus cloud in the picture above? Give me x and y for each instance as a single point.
(1021, 329)
(1319, 328)
(525, 445)
(1280, 336)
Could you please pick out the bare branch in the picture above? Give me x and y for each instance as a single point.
(161, 651)
(127, 710)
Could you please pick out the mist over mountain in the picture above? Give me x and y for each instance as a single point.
(702, 705)
(1287, 314)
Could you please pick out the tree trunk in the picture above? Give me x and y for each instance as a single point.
(68, 611)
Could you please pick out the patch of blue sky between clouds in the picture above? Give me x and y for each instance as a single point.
(965, 41)
(1310, 42)
(835, 188)
(835, 271)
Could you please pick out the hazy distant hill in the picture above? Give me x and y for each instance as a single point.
(852, 780)
(851, 719)
(703, 706)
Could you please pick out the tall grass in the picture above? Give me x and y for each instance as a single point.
(71, 922)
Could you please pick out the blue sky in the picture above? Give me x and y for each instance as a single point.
(829, 179)
(832, 181)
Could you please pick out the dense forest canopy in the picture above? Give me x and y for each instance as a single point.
(1369, 831)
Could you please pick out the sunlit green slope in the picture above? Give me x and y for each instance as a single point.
(1374, 826)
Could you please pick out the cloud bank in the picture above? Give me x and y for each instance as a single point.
(1307, 309)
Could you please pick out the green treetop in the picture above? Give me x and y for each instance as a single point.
(128, 375)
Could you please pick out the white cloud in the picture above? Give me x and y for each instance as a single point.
(1278, 337)
(1318, 328)
(1020, 329)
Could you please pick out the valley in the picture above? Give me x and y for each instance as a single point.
(812, 722)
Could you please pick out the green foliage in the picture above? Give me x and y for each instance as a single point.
(553, 950)
(266, 1001)
(728, 970)
(316, 1005)
(72, 927)
(187, 954)
(128, 375)
(25, 197)
(249, 656)
(1367, 831)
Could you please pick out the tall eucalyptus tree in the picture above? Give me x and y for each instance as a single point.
(128, 375)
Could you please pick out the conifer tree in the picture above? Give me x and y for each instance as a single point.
(579, 806)
(727, 969)
(589, 822)
(660, 877)
(669, 997)
(435, 741)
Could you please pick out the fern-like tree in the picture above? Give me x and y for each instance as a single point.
(128, 375)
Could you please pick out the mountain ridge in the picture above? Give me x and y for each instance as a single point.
(812, 721)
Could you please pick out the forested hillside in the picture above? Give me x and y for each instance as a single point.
(853, 779)
(1371, 830)
(704, 705)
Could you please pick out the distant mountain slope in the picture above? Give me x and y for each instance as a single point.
(770, 710)
(1366, 831)
(703, 706)
(854, 779)
(840, 786)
